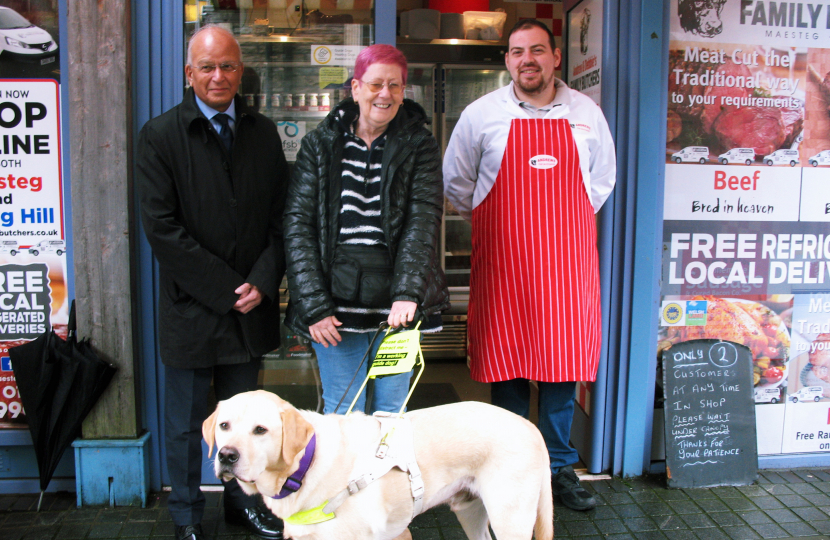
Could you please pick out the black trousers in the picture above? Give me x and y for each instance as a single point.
(185, 408)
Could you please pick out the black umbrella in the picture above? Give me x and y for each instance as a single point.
(59, 383)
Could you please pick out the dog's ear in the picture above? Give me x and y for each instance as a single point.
(296, 432)
(209, 430)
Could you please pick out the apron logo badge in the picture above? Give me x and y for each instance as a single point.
(543, 162)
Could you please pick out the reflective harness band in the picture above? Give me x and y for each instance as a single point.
(396, 448)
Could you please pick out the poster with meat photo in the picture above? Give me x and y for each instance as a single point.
(735, 104)
(747, 200)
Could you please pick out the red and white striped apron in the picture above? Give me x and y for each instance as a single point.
(534, 309)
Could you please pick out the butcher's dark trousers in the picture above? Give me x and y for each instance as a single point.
(185, 408)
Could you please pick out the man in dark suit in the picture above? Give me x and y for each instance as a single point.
(211, 178)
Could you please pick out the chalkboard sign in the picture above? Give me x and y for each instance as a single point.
(709, 414)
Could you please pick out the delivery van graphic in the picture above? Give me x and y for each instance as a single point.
(9, 246)
(738, 155)
(58, 247)
(782, 157)
(692, 154)
(808, 393)
(767, 395)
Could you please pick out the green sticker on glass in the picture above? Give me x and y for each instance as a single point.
(333, 75)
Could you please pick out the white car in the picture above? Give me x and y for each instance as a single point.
(814, 393)
(22, 41)
(782, 157)
(699, 154)
(738, 155)
(822, 158)
(57, 247)
(767, 395)
(9, 246)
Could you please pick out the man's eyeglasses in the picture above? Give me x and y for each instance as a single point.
(376, 87)
(226, 67)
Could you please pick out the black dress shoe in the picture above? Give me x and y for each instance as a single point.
(258, 521)
(189, 532)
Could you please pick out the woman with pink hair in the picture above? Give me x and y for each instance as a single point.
(362, 227)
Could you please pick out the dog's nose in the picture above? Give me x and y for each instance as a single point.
(228, 456)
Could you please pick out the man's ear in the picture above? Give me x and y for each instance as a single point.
(209, 430)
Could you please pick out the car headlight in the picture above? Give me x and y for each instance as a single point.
(14, 43)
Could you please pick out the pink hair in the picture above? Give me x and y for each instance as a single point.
(379, 54)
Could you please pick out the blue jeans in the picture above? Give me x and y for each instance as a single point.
(337, 367)
(556, 412)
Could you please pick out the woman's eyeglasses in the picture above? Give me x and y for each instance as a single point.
(376, 87)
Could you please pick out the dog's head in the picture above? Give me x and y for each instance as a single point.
(258, 438)
(701, 17)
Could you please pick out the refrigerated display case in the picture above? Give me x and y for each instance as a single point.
(447, 93)
(460, 74)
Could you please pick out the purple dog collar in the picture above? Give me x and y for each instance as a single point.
(295, 481)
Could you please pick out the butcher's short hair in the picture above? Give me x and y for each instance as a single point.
(526, 24)
(379, 54)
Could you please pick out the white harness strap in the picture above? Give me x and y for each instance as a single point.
(396, 448)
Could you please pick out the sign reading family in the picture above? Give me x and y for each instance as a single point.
(31, 208)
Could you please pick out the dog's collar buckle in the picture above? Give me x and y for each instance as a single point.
(295, 481)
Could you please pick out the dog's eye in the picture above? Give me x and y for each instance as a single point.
(223, 426)
(259, 430)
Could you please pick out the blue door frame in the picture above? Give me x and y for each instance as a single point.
(158, 80)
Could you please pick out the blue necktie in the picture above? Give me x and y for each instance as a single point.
(226, 134)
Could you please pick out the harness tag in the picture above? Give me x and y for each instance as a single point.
(398, 353)
(310, 517)
(382, 449)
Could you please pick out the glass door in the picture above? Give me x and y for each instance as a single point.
(462, 85)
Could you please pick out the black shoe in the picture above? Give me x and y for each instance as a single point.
(573, 495)
(189, 532)
(258, 521)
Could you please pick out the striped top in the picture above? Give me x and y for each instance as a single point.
(360, 222)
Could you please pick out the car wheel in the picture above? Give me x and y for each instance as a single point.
(795, 399)
(13, 252)
(35, 252)
(59, 252)
(723, 161)
(792, 163)
(677, 160)
(814, 163)
(817, 399)
(702, 161)
(769, 162)
(749, 162)
(773, 401)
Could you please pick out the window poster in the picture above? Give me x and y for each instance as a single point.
(746, 213)
(585, 48)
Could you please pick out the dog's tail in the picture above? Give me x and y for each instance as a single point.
(544, 512)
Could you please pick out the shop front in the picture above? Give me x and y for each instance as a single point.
(716, 228)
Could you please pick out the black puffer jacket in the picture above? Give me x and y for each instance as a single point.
(411, 209)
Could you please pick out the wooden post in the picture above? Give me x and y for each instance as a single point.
(100, 105)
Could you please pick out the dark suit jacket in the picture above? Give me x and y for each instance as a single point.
(214, 223)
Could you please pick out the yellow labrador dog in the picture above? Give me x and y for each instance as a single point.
(490, 465)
